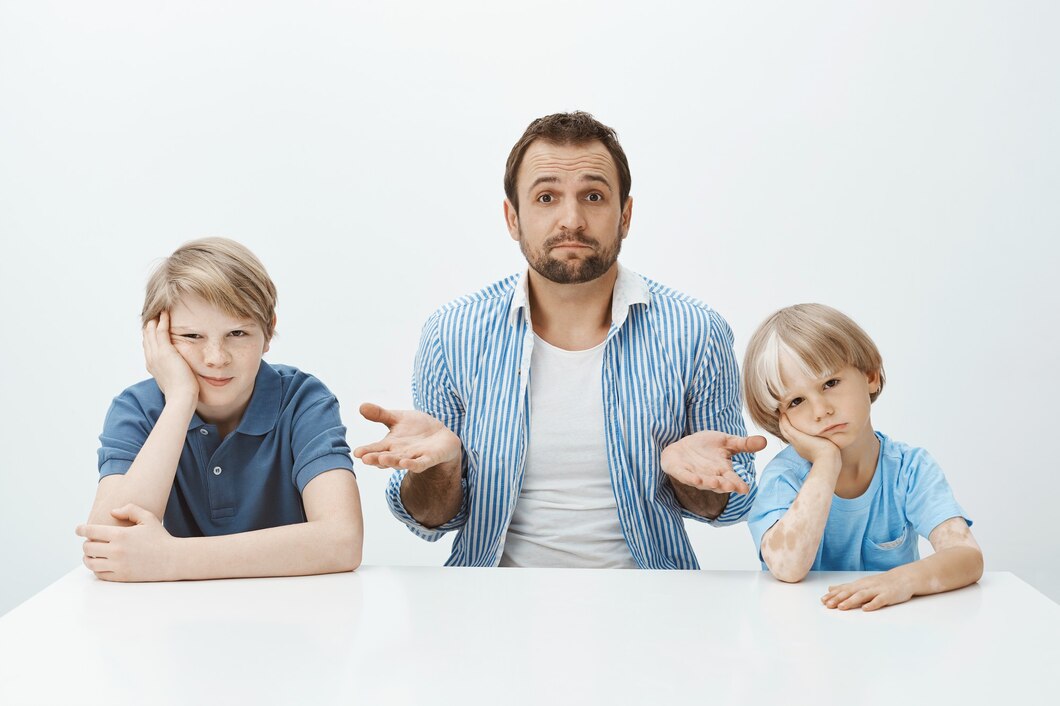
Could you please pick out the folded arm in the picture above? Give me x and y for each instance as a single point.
(956, 563)
(329, 541)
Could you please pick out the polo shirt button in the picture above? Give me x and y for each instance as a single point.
(204, 432)
(217, 470)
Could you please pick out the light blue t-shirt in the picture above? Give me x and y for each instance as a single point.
(876, 531)
(253, 478)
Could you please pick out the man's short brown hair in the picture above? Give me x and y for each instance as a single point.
(567, 129)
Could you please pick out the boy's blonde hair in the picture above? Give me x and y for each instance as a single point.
(820, 339)
(222, 272)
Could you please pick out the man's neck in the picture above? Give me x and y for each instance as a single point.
(574, 317)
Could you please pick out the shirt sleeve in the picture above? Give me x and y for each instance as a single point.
(125, 430)
(433, 393)
(714, 403)
(929, 500)
(318, 437)
(776, 493)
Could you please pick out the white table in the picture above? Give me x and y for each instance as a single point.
(393, 635)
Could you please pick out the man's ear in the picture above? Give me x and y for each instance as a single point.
(511, 219)
(627, 216)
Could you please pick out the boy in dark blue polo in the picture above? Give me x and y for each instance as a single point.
(245, 461)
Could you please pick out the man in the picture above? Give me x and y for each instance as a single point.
(574, 414)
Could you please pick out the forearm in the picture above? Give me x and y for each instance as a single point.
(301, 549)
(149, 480)
(434, 496)
(790, 546)
(946, 570)
(705, 503)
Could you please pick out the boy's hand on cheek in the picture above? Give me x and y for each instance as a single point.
(869, 593)
(143, 552)
(171, 372)
(811, 448)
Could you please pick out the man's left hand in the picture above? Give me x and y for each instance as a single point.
(143, 552)
(704, 460)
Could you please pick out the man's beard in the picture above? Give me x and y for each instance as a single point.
(575, 270)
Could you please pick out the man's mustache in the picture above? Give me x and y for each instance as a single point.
(567, 238)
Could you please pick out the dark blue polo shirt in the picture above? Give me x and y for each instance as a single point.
(290, 433)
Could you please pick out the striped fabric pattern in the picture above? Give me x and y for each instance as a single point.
(669, 370)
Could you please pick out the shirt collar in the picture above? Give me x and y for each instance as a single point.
(264, 408)
(630, 289)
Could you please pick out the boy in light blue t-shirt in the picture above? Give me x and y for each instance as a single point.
(843, 497)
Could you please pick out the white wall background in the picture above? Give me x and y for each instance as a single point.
(898, 160)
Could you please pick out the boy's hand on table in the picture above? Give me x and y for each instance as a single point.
(416, 441)
(810, 448)
(704, 460)
(142, 552)
(167, 366)
(869, 593)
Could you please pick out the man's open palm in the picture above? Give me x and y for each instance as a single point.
(416, 441)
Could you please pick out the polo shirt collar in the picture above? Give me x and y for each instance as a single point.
(630, 289)
(264, 408)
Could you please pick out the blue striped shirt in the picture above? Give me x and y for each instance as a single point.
(669, 371)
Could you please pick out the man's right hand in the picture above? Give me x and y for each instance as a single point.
(416, 441)
(165, 363)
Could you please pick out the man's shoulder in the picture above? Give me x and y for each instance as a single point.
(685, 314)
(468, 312)
(497, 293)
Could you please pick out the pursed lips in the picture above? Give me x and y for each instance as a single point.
(216, 382)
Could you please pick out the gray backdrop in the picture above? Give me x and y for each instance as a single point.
(897, 160)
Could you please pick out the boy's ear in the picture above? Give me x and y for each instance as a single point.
(873, 378)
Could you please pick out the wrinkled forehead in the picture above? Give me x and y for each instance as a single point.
(567, 161)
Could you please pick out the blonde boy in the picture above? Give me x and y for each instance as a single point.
(843, 497)
(245, 461)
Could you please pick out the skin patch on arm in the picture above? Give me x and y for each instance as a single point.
(953, 532)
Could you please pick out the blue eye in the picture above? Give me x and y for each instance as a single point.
(545, 198)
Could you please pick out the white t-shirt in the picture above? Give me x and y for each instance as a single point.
(566, 515)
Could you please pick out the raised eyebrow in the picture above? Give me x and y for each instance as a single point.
(543, 180)
(600, 178)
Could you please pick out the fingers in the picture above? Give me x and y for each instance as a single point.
(385, 459)
(96, 566)
(876, 603)
(856, 600)
(133, 513)
(374, 413)
(99, 533)
(377, 447)
(95, 550)
(786, 430)
(745, 444)
(727, 482)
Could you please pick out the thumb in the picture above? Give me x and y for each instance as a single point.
(133, 513)
(374, 413)
(745, 444)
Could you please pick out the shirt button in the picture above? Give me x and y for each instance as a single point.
(217, 470)
(204, 432)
